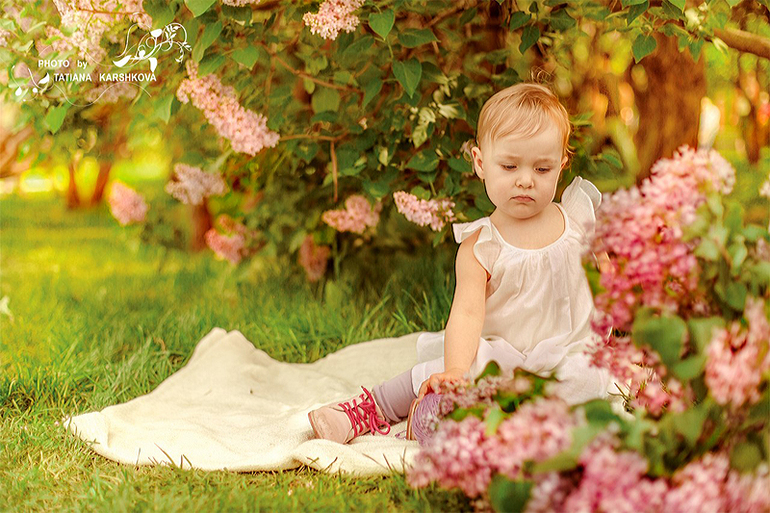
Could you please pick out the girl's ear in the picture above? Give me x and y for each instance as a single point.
(478, 165)
(564, 162)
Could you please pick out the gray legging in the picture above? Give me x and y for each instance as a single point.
(395, 396)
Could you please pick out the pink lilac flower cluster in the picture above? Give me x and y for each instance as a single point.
(463, 454)
(91, 20)
(126, 205)
(231, 242)
(357, 216)
(614, 480)
(550, 492)
(333, 17)
(641, 230)
(433, 213)
(245, 129)
(193, 184)
(111, 92)
(738, 358)
(465, 394)
(313, 258)
(709, 484)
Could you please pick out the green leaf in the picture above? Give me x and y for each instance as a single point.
(643, 46)
(428, 176)
(210, 63)
(664, 334)
(612, 158)
(163, 107)
(371, 90)
(247, 56)
(701, 330)
(689, 423)
(507, 495)
(408, 74)
(695, 47)
(424, 194)
(325, 99)
(738, 254)
(55, 117)
(679, 4)
(753, 232)
(210, 34)
(467, 16)
(426, 160)
(760, 412)
(198, 7)
(670, 11)
(529, 36)
(734, 217)
(344, 77)
(761, 272)
(735, 295)
(518, 20)
(460, 165)
(636, 10)
(745, 456)
(377, 190)
(160, 12)
(412, 38)
(237, 13)
(358, 47)
(689, 368)
(599, 412)
(561, 20)
(708, 250)
(495, 416)
(382, 23)
(626, 3)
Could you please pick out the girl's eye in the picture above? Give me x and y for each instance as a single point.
(509, 166)
(544, 169)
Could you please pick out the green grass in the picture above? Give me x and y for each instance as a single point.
(94, 323)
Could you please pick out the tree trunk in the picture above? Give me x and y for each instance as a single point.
(101, 182)
(73, 199)
(201, 219)
(668, 103)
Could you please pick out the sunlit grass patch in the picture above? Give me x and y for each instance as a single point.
(94, 323)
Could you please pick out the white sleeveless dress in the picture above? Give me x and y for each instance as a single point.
(538, 304)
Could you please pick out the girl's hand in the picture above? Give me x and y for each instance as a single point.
(433, 382)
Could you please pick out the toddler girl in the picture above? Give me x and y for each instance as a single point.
(521, 298)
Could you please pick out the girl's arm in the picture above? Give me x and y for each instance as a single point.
(466, 318)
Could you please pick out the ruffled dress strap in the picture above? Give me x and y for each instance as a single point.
(580, 200)
(487, 248)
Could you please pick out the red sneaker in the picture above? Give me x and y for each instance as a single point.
(342, 422)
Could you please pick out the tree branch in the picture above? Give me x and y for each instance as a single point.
(745, 41)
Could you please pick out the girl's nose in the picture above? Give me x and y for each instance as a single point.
(524, 178)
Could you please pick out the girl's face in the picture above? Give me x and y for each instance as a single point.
(521, 174)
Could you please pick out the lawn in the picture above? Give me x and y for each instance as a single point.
(93, 322)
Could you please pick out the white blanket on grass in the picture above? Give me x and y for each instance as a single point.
(232, 407)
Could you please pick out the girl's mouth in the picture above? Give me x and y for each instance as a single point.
(523, 199)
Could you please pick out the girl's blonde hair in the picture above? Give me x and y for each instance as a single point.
(523, 109)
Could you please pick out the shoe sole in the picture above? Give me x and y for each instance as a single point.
(412, 408)
(320, 428)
